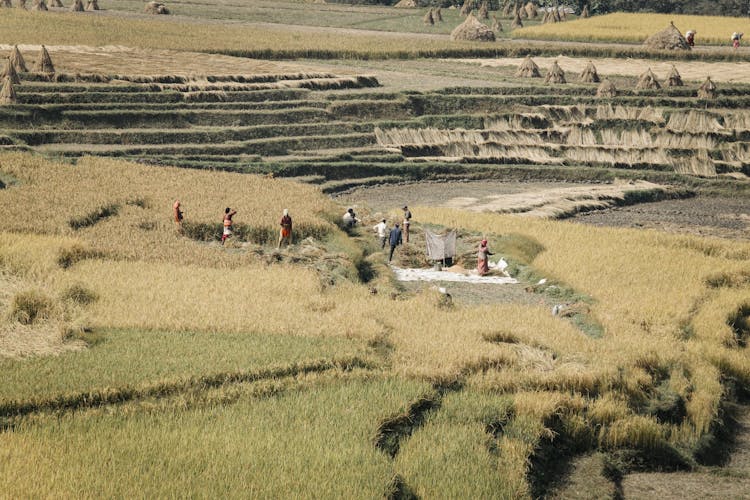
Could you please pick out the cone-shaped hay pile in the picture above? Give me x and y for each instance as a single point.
(496, 24)
(521, 11)
(589, 74)
(39, 5)
(674, 79)
(647, 81)
(531, 10)
(437, 15)
(517, 23)
(22, 4)
(6, 3)
(669, 38)
(585, 12)
(44, 65)
(77, 6)
(606, 89)
(56, 3)
(17, 59)
(484, 12)
(467, 7)
(528, 69)
(473, 30)
(427, 19)
(707, 90)
(160, 8)
(555, 74)
(7, 94)
(92, 5)
(508, 9)
(9, 72)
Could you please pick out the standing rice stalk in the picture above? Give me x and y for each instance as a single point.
(427, 19)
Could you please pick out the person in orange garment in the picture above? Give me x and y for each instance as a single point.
(285, 235)
(178, 215)
(228, 214)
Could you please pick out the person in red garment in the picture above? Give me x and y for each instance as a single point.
(483, 258)
(285, 235)
(228, 214)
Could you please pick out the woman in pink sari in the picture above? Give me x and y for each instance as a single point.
(483, 259)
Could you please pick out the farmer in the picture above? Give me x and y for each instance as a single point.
(690, 37)
(350, 218)
(228, 214)
(285, 235)
(382, 229)
(483, 258)
(394, 239)
(407, 223)
(178, 216)
(736, 39)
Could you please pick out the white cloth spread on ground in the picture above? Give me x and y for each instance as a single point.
(432, 275)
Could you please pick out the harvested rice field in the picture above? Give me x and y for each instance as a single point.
(153, 346)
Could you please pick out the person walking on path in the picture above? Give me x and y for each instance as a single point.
(285, 235)
(394, 239)
(407, 223)
(228, 214)
(382, 229)
(483, 259)
(178, 215)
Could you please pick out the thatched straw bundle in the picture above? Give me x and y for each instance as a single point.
(508, 9)
(585, 12)
(56, 3)
(437, 15)
(159, 8)
(517, 23)
(484, 12)
(77, 6)
(6, 3)
(589, 74)
(8, 94)
(473, 30)
(44, 65)
(427, 19)
(707, 90)
(92, 5)
(467, 7)
(40, 5)
(521, 11)
(647, 81)
(496, 24)
(403, 4)
(674, 79)
(17, 60)
(669, 38)
(9, 72)
(531, 10)
(606, 89)
(555, 74)
(528, 69)
(21, 4)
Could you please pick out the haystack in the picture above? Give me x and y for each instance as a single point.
(467, 7)
(44, 65)
(160, 8)
(6, 3)
(39, 5)
(517, 23)
(437, 15)
(531, 10)
(669, 38)
(674, 79)
(521, 10)
(707, 90)
(585, 12)
(427, 19)
(555, 74)
(473, 30)
(17, 59)
(528, 69)
(647, 81)
(77, 6)
(556, 14)
(508, 9)
(589, 74)
(9, 72)
(484, 12)
(56, 3)
(606, 89)
(92, 5)
(403, 4)
(8, 94)
(21, 4)
(496, 24)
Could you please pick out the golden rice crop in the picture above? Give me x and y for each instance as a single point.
(635, 28)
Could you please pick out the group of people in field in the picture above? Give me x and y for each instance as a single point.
(285, 232)
(736, 37)
(396, 236)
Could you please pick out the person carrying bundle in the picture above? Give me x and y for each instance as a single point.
(285, 235)
(228, 214)
(690, 37)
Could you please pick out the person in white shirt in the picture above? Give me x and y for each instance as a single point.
(382, 229)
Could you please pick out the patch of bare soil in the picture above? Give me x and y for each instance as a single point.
(586, 480)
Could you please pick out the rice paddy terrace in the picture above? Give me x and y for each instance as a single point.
(344, 130)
